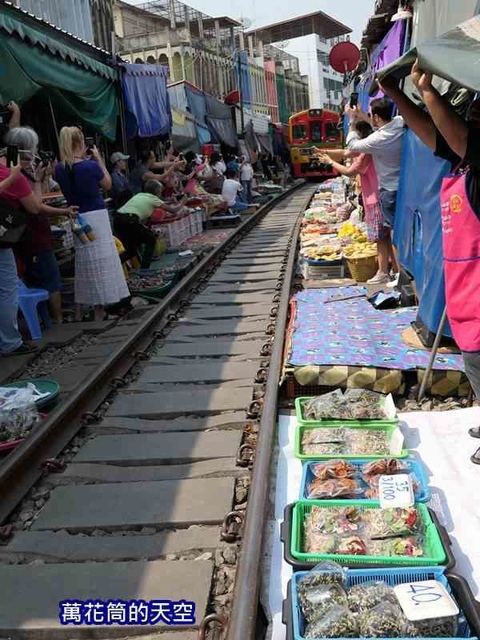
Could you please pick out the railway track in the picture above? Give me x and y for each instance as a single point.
(140, 486)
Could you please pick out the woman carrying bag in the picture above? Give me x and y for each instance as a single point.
(99, 277)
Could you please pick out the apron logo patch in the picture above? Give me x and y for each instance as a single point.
(456, 204)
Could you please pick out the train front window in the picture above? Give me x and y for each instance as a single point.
(316, 129)
(299, 132)
(331, 131)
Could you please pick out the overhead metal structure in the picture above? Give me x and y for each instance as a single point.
(318, 22)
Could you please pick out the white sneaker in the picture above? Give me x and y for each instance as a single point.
(394, 283)
(379, 278)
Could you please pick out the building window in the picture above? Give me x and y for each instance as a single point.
(322, 56)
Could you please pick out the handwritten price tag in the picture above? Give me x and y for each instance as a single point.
(425, 600)
(396, 491)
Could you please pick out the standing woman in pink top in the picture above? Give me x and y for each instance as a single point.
(364, 167)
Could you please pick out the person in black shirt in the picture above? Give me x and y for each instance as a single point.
(457, 140)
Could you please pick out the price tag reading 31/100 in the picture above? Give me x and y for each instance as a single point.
(395, 491)
(425, 600)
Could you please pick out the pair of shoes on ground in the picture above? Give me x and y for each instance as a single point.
(384, 278)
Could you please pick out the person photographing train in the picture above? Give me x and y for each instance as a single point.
(457, 140)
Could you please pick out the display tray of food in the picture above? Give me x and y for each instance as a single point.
(359, 479)
(331, 602)
(360, 534)
(351, 404)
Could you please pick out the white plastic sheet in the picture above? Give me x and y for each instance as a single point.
(441, 441)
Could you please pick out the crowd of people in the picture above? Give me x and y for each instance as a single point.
(153, 190)
(374, 143)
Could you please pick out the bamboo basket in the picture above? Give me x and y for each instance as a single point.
(362, 269)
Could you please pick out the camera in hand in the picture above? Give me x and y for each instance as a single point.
(12, 155)
(46, 157)
(89, 143)
(353, 100)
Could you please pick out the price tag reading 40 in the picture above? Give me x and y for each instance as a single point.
(395, 491)
(425, 600)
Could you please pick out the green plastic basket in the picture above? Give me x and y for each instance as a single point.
(434, 552)
(154, 293)
(299, 402)
(372, 426)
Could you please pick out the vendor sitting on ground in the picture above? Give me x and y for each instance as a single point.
(130, 221)
(230, 190)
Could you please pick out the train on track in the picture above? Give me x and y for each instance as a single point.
(307, 130)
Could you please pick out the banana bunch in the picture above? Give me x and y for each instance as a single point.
(360, 250)
(327, 253)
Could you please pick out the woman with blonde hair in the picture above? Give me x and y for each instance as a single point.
(81, 174)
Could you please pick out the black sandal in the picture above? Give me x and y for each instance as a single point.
(474, 432)
(476, 457)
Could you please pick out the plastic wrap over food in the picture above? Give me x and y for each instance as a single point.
(363, 597)
(337, 622)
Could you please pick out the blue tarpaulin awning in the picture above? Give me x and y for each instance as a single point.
(146, 100)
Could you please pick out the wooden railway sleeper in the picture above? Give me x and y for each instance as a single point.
(232, 524)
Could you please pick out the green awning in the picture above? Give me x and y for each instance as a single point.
(77, 84)
(10, 21)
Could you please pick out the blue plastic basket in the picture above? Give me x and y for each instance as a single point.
(422, 494)
(391, 576)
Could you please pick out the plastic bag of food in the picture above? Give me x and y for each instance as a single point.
(339, 520)
(333, 488)
(434, 628)
(315, 599)
(362, 597)
(372, 493)
(385, 467)
(360, 442)
(392, 523)
(17, 423)
(324, 449)
(324, 436)
(329, 406)
(333, 469)
(351, 546)
(326, 572)
(19, 397)
(386, 620)
(393, 547)
(337, 622)
(365, 405)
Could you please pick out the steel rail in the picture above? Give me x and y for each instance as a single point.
(243, 619)
(24, 466)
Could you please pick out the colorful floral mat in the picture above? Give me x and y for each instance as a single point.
(352, 332)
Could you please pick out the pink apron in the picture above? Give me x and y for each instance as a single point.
(461, 253)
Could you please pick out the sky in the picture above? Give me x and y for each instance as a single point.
(353, 13)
